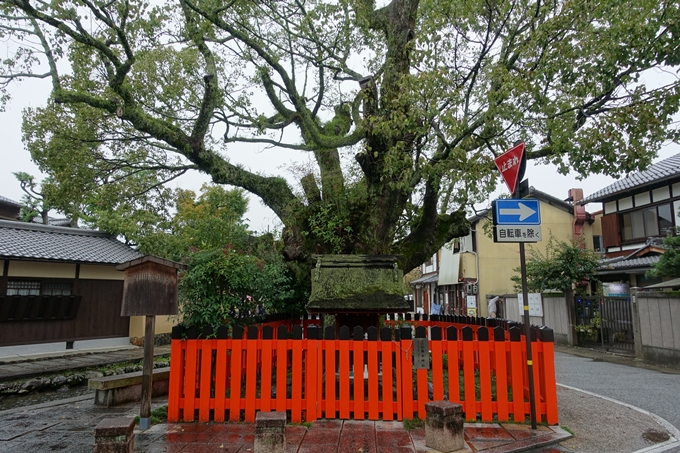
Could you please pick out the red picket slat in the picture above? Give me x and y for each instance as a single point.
(205, 387)
(536, 366)
(398, 356)
(421, 376)
(190, 381)
(296, 407)
(406, 354)
(235, 389)
(470, 403)
(221, 374)
(373, 367)
(251, 379)
(485, 381)
(437, 370)
(550, 382)
(344, 380)
(387, 378)
(517, 368)
(266, 373)
(310, 373)
(281, 369)
(501, 381)
(176, 377)
(358, 379)
(452, 354)
(330, 406)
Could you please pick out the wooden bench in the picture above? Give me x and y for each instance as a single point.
(127, 388)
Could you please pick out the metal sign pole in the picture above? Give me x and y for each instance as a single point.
(527, 328)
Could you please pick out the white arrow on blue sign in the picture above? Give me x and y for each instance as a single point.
(517, 212)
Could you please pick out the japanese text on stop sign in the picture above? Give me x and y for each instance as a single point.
(511, 162)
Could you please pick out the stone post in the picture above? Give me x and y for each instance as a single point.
(115, 435)
(270, 432)
(444, 426)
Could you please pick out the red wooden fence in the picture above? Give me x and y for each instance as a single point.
(313, 376)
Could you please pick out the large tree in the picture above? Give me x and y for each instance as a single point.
(402, 105)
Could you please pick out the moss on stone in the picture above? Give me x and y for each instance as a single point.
(356, 283)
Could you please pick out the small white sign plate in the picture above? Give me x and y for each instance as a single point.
(535, 304)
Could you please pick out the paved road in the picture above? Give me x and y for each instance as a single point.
(651, 390)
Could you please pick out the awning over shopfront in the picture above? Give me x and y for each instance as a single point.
(425, 279)
(449, 268)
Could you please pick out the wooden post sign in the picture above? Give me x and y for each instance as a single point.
(149, 289)
(150, 286)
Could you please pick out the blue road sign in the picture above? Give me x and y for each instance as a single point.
(517, 212)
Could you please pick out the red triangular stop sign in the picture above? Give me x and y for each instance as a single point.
(509, 164)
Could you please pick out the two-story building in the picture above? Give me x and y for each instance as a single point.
(638, 211)
(463, 275)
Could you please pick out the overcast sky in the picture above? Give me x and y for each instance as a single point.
(34, 93)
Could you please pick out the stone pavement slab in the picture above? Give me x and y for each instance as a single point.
(336, 436)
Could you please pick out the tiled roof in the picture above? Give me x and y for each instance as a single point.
(53, 221)
(50, 243)
(642, 262)
(667, 284)
(10, 202)
(661, 171)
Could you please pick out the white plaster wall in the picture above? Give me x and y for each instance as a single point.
(41, 270)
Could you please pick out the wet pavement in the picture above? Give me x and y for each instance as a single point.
(339, 436)
(67, 425)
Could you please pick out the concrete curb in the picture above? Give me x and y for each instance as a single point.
(673, 442)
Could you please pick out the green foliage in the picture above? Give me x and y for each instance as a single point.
(145, 91)
(204, 222)
(230, 273)
(562, 265)
(158, 415)
(231, 285)
(592, 327)
(331, 226)
(96, 180)
(669, 262)
(33, 201)
(413, 423)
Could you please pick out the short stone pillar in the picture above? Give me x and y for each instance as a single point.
(444, 426)
(270, 432)
(115, 435)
